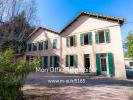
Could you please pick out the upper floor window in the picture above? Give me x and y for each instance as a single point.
(71, 41)
(102, 36)
(29, 47)
(34, 46)
(40, 46)
(45, 45)
(54, 46)
(86, 38)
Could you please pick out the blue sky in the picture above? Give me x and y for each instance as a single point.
(56, 14)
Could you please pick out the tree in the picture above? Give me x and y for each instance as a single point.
(17, 21)
(129, 44)
(13, 74)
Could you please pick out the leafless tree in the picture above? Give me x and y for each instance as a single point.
(17, 18)
(10, 9)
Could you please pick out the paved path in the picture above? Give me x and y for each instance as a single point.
(94, 88)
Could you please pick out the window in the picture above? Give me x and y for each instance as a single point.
(103, 62)
(34, 47)
(71, 60)
(71, 41)
(41, 46)
(54, 43)
(29, 47)
(45, 61)
(54, 61)
(86, 38)
(131, 63)
(45, 45)
(101, 37)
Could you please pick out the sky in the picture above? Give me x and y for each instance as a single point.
(56, 14)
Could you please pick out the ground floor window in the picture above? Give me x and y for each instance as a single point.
(103, 62)
(71, 60)
(54, 61)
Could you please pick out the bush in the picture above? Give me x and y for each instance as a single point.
(13, 74)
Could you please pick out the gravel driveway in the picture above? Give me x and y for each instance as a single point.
(94, 88)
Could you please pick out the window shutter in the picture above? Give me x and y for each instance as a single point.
(51, 61)
(74, 40)
(98, 64)
(81, 39)
(107, 35)
(54, 43)
(67, 60)
(97, 38)
(57, 61)
(111, 64)
(75, 60)
(89, 37)
(27, 47)
(67, 42)
(45, 61)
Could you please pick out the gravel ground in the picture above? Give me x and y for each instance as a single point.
(37, 87)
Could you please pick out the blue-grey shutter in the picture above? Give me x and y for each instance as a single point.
(107, 35)
(89, 37)
(81, 39)
(111, 64)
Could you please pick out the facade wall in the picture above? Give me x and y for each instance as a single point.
(85, 24)
(41, 36)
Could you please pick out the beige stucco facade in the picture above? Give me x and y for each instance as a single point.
(84, 24)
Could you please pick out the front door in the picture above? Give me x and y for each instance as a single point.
(87, 62)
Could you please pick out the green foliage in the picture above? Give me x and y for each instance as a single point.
(129, 44)
(13, 74)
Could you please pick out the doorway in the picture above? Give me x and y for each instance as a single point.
(87, 63)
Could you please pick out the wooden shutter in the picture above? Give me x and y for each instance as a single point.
(54, 43)
(57, 61)
(111, 64)
(51, 61)
(81, 39)
(75, 60)
(67, 58)
(98, 64)
(97, 37)
(89, 37)
(45, 61)
(107, 35)
(74, 40)
(67, 42)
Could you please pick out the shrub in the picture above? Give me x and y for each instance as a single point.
(13, 74)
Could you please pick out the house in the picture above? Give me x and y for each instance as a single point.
(128, 63)
(89, 43)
